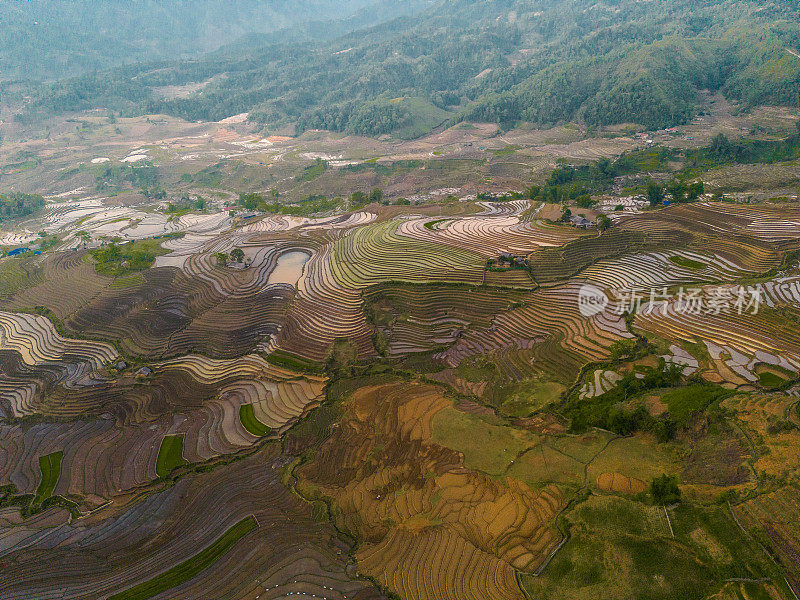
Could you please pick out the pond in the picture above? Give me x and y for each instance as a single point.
(289, 267)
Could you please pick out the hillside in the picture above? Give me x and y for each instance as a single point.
(400, 299)
(503, 61)
(363, 398)
(40, 39)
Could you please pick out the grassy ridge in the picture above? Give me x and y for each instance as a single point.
(191, 567)
(684, 403)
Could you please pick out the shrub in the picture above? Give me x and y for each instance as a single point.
(17, 205)
(665, 490)
(342, 358)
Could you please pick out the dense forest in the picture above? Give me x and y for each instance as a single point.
(42, 39)
(504, 61)
(17, 205)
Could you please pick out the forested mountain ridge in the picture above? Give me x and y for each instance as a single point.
(498, 60)
(43, 39)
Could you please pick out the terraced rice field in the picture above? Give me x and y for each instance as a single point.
(190, 568)
(737, 344)
(452, 517)
(365, 409)
(775, 516)
(380, 252)
(187, 525)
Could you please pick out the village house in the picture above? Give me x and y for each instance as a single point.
(581, 222)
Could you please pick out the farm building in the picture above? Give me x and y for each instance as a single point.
(581, 222)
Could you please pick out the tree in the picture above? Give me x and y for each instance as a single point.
(251, 201)
(665, 490)
(341, 358)
(624, 348)
(677, 189)
(695, 190)
(721, 146)
(561, 175)
(16, 205)
(585, 201)
(222, 258)
(381, 341)
(604, 168)
(237, 255)
(603, 223)
(566, 214)
(376, 195)
(357, 199)
(314, 170)
(655, 193)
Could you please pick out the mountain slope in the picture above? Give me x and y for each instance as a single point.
(51, 39)
(497, 60)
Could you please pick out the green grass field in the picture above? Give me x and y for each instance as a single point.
(486, 447)
(638, 456)
(191, 567)
(17, 274)
(253, 425)
(526, 397)
(683, 403)
(129, 281)
(621, 549)
(544, 464)
(768, 379)
(51, 471)
(422, 117)
(432, 224)
(687, 263)
(116, 261)
(170, 455)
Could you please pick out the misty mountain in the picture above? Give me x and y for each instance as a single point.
(504, 61)
(46, 39)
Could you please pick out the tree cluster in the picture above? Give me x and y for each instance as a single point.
(17, 204)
